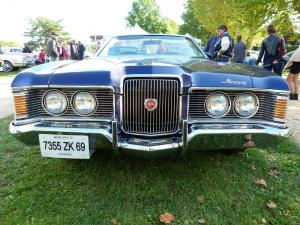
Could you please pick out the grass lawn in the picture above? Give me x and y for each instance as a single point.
(136, 191)
(11, 74)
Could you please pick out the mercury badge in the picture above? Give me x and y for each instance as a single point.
(150, 104)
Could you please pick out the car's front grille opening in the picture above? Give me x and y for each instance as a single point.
(151, 106)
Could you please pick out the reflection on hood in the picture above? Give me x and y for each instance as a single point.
(194, 64)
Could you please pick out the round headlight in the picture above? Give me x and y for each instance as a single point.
(84, 103)
(246, 105)
(55, 102)
(217, 105)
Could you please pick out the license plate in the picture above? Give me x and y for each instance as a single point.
(64, 146)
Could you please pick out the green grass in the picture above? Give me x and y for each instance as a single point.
(11, 74)
(136, 191)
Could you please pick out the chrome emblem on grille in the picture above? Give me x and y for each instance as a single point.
(150, 104)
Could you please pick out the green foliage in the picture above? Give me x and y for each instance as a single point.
(193, 27)
(147, 15)
(40, 29)
(10, 44)
(247, 18)
(171, 26)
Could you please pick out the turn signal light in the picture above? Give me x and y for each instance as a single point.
(20, 105)
(280, 108)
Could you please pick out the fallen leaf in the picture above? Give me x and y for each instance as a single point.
(200, 198)
(264, 221)
(166, 218)
(114, 222)
(261, 182)
(273, 173)
(271, 205)
(201, 221)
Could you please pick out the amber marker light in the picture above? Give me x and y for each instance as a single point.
(280, 108)
(20, 105)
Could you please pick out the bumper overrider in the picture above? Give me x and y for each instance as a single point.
(191, 136)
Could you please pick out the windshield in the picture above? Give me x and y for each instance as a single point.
(151, 45)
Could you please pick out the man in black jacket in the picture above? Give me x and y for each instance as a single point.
(272, 50)
(224, 45)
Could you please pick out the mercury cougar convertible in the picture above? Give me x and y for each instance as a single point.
(148, 94)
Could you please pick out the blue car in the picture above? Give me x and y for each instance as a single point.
(148, 94)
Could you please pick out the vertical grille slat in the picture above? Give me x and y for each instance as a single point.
(162, 120)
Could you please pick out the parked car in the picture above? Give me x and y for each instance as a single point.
(287, 56)
(13, 59)
(148, 94)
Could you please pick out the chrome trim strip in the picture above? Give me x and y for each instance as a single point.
(241, 122)
(114, 134)
(214, 130)
(24, 88)
(53, 119)
(237, 89)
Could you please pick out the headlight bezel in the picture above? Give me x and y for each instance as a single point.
(228, 105)
(256, 105)
(74, 106)
(45, 105)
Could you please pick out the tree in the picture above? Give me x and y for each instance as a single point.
(248, 18)
(147, 15)
(171, 26)
(9, 44)
(40, 29)
(193, 27)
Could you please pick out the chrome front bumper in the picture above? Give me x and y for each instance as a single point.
(196, 136)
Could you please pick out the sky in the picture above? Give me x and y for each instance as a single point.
(80, 18)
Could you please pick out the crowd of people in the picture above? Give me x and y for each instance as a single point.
(57, 51)
(222, 48)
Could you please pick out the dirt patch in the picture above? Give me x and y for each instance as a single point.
(293, 119)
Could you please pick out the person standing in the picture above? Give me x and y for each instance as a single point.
(294, 67)
(26, 49)
(224, 45)
(272, 49)
(61, 51)
(81, 50)
(42, 57)
(73, 50)
(210, 46)
(239, 51)
(52, 52)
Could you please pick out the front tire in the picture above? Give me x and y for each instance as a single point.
(8, 67)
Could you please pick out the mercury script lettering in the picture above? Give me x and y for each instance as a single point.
(229, 81)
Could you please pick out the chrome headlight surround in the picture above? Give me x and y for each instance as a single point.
(89, 99)
(61, 99)
(253, 108)
(208, 102)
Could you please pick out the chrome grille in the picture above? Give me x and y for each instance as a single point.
(197, 104)
(164, 119)
(104, 97)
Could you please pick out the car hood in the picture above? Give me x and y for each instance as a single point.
(109, 71)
